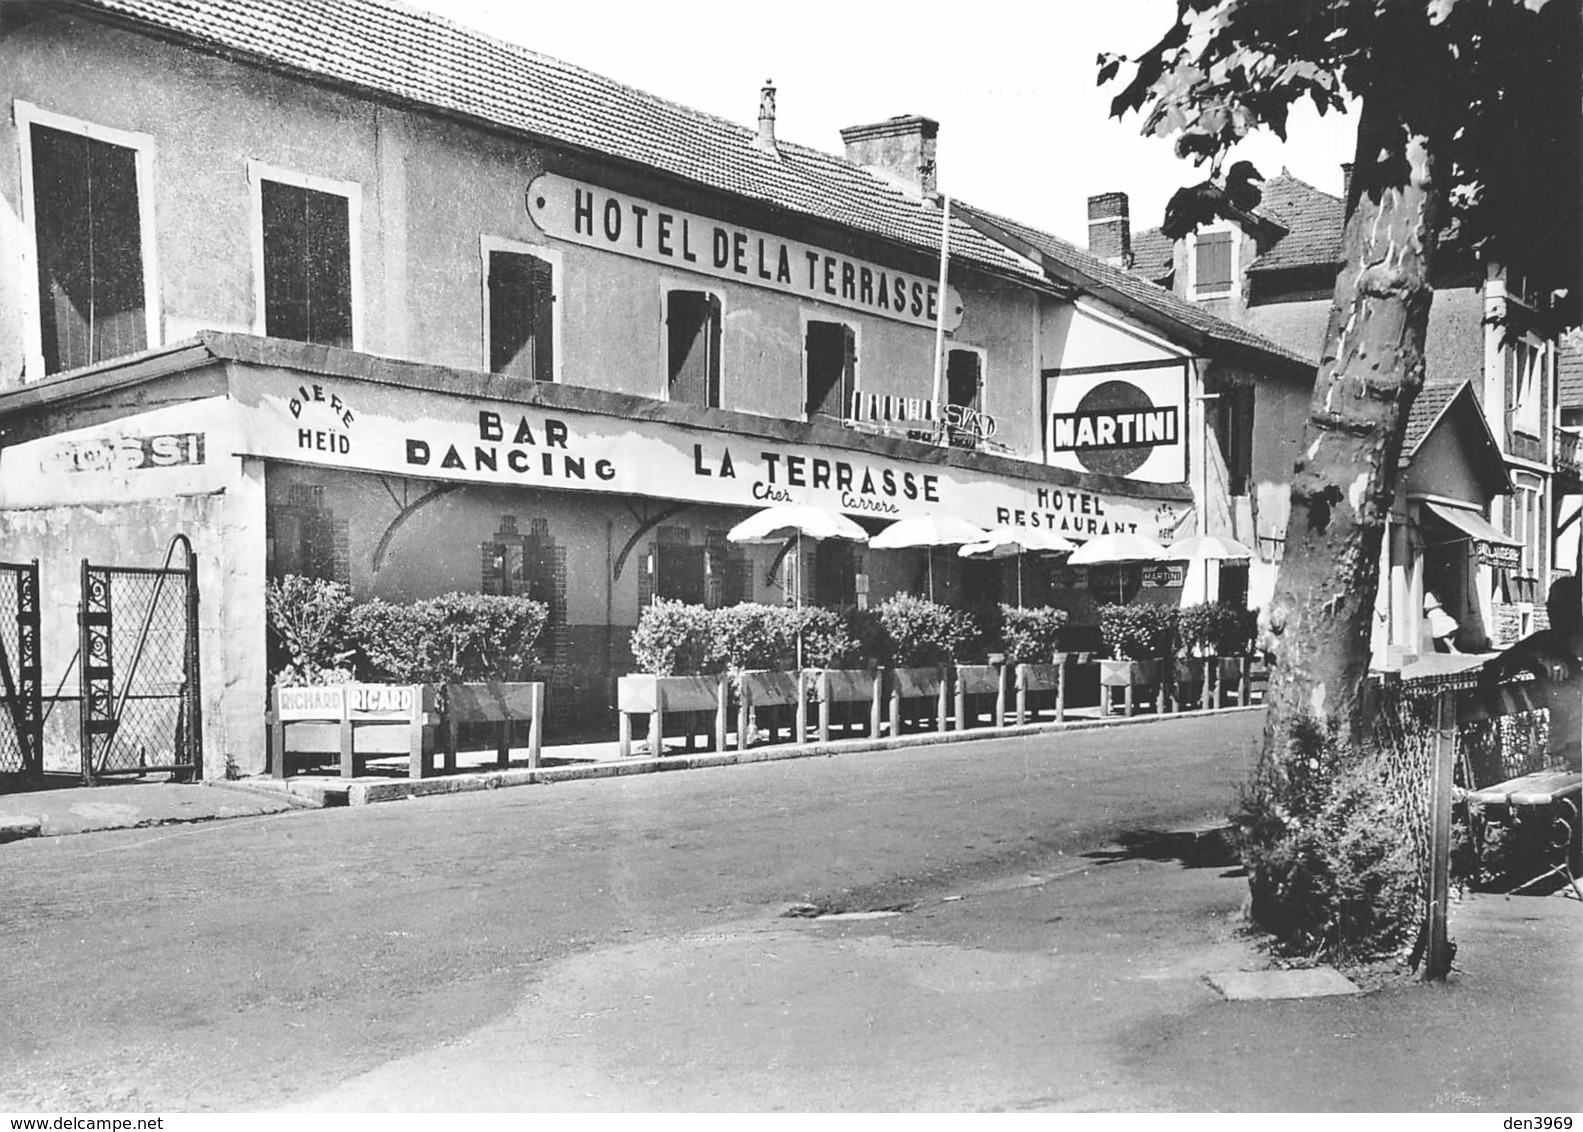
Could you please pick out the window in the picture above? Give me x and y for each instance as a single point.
(519, 320)
(676, 568)
(692, 336)
(1234, 431)
(1212, 264)
(306, 275)
(836, 566)
(1525, 382)
(964, 387)
(1526, 526)
(830, 368)
(86, 190)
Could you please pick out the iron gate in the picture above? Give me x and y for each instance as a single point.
(139, 657)
(21, 729)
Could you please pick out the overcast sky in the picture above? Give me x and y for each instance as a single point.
(1023, 129)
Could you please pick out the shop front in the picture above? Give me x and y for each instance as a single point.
(406, 481)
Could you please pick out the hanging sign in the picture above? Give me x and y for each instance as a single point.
(1120, 422)
(616, 222)
(1502, 555)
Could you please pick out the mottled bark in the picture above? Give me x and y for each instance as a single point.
(1371, 368)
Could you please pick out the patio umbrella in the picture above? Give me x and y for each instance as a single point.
(1005, 542)
(1118, 547)
(1207, 549)
(787, 521)
(928, 531)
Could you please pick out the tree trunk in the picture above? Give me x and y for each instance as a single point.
(1371, 368)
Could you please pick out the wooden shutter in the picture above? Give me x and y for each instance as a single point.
(88, 229)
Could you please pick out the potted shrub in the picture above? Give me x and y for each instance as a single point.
(678, 650)
(918, 640)
(1195, 642)
(1137, 636)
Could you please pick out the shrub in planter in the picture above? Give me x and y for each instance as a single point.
(1138, 630)
(308, 621)
(1232, 629)
(914, 633)
(757, 636)
(451, 639)
(1031, 636)
(673, 638)
(1195, 630)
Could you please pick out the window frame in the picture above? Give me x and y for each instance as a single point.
(809, 315)
(667, 287)
(259, 172)
(983, 383)
(1194, 291)
(27, 115)
(551, 256)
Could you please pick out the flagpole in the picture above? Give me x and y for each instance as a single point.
(939, 323)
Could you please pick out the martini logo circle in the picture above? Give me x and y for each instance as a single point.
(1115, 428)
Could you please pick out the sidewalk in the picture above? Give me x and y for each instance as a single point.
(54, 811)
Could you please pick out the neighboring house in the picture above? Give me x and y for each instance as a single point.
(1272, 269)
(347, 291)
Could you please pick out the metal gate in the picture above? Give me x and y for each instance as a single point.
(21, 729)
(139, 657)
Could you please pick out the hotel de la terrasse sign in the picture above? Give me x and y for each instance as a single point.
(596, 217)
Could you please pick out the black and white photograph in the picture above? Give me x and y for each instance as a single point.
(813, 558)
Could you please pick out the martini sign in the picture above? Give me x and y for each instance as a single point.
(1119, 422)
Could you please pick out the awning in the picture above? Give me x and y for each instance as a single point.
(1494, 548)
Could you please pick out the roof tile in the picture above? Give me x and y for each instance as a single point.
(394, 51)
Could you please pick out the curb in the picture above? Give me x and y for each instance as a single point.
(294, 799)
(16, 827)
(395, 790)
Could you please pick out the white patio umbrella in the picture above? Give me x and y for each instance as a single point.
(1005, 542)
(787, 521)
(928, 531)
(1118, 547)
(1207, 549)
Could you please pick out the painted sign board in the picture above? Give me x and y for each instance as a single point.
(1503, 555)
(390, 430)
(1119, 421)
(596, 217)
(332, 703)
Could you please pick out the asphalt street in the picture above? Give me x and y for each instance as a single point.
(261, 962)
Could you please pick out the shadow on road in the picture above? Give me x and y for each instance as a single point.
(1194, 849)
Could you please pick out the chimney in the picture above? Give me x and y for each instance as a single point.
(900, 149)
(1346, 181)
(1110, 229)
(766, 134)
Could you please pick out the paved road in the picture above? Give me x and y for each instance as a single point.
(257, 962)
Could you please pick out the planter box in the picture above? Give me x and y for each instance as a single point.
(1191, 680)
(500, 704)
(917, 683)
(643, 694)
(353, 722)
(1128, 675)
(980, 680)
(1034, 679)
(848, 686)
(765, 688)
(357, 721)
